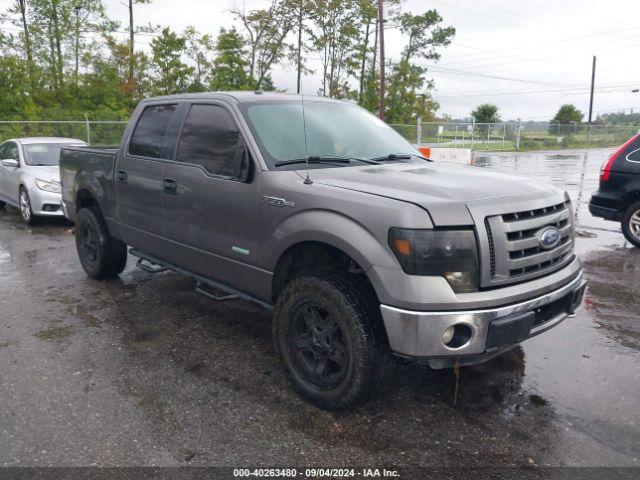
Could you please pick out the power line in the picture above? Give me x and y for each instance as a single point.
(508, 52)
(526, 56)
(565, 92)
(452, 71)
(472, 12)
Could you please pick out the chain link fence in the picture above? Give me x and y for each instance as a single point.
(94, 132)
(476, 136)
(515, 136)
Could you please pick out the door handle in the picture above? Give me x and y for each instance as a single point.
(122, 176)
(169, 185)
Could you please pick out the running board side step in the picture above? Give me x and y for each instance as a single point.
(147, 266)
(212, 296)
(153, 265)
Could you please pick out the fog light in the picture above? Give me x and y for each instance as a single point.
(457, 336)
(447, 336)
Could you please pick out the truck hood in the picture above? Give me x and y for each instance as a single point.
(446, 191)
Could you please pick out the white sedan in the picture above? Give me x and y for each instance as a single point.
(30, 176)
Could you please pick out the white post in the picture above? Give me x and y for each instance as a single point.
(504, 134)
(419, 131)
(88, 126)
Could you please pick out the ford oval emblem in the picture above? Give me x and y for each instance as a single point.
(549, 237)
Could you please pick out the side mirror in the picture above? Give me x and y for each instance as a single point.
(10, 162)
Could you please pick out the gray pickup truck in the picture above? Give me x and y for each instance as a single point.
(319, 211)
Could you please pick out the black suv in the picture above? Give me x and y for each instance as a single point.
(618, 197)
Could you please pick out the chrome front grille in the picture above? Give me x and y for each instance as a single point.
(516, 252)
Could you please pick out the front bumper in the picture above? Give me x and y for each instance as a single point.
(45, 204)
(493, 331)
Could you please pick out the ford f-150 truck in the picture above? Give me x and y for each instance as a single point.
(319, 211)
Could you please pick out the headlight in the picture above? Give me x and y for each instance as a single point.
(52, 187)
(452, 254)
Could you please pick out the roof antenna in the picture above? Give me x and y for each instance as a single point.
(307, 180)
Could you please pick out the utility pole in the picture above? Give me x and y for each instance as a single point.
(131, 52)
(381, 35)
(300, 12)
(593, 81)
(77, 9)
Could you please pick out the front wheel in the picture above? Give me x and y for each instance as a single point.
(101, 255)
(631, 223)
(26, 212)
(324, 330)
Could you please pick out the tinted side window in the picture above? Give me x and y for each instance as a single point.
(148, 136)
(210, 138)
(12, 151)
(633, 151)
(9, 150)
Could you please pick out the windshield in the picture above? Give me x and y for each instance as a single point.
(332, 129)
(44, 154)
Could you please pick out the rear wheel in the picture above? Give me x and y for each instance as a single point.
(325, 333)
(101, 255)
(24, 203)
(631, 223)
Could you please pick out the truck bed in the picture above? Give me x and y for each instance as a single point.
(93, 168)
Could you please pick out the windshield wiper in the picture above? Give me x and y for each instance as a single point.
(325, 159)
(398, 156)
(313, 159)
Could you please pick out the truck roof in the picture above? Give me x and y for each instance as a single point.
(241, 96)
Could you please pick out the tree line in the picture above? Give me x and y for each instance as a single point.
(62, 59)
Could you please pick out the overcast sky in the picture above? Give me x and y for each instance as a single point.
(526, 56)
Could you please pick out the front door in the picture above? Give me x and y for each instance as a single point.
(209, 199)
(138, 178)
(9, 175)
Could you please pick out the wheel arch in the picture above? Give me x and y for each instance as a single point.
(629, 198)
(85, 198)
(308, 257)
(322, 239)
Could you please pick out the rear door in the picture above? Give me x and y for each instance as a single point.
(138, 176)
(210, 200)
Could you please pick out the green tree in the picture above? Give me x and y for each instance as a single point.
(230, 67)
(172, 75)
(568, 114)
(486, 113)
(407, 96)
(335, 35)
(267, 30)
(198, 50)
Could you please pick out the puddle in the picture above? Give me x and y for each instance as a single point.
(54, 334)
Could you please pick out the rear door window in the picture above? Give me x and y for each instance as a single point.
(149, 135)
(210, 138)
(633, 152)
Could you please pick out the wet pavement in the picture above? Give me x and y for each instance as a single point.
(142, 371)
